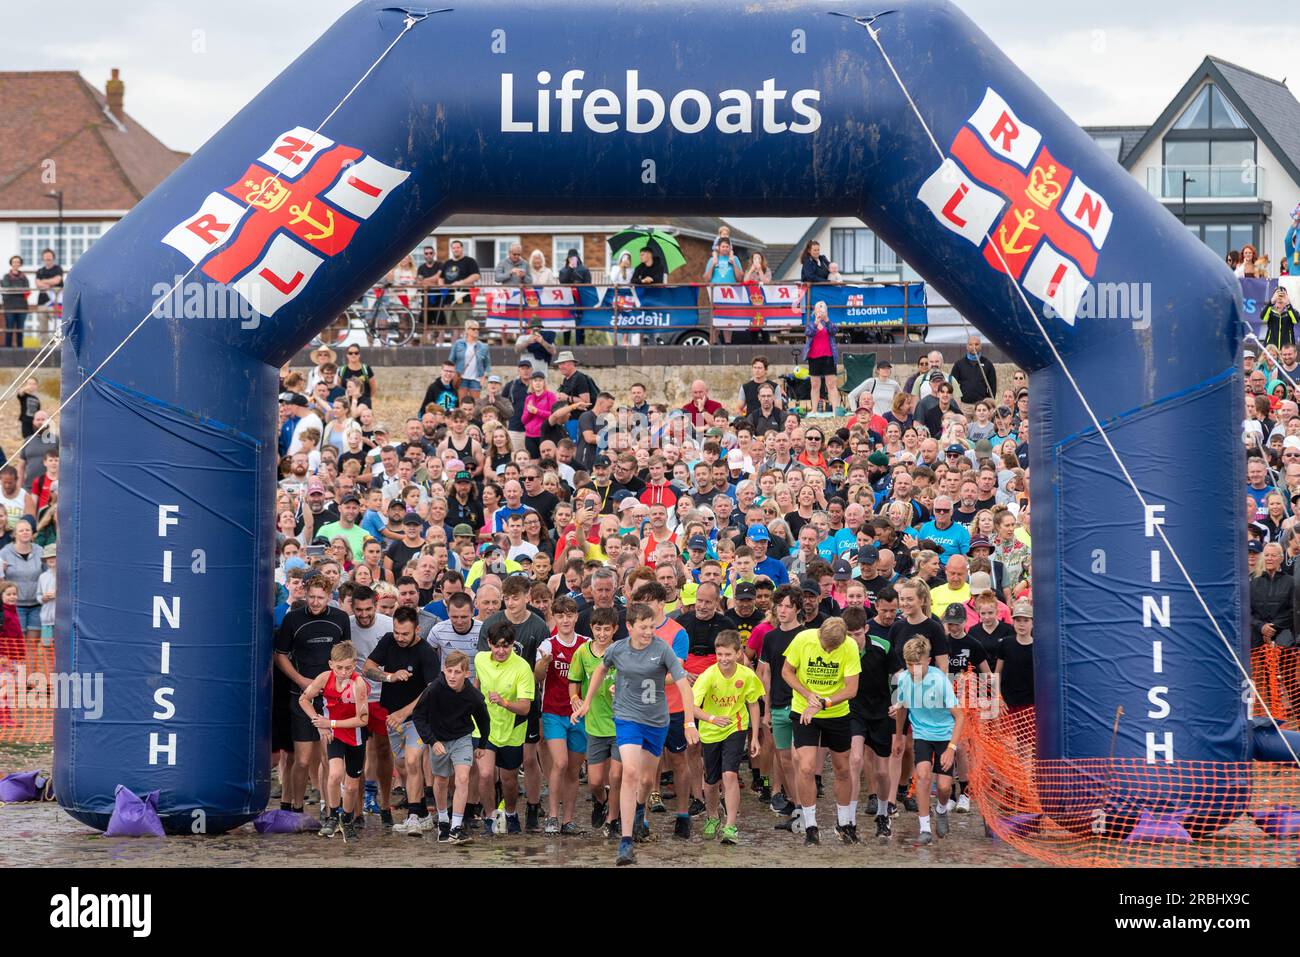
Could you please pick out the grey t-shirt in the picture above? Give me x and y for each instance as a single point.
(639, 681)
(364, 640)
(446, 636)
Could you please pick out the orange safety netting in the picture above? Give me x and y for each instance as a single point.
(1103, 812)
(28, 692)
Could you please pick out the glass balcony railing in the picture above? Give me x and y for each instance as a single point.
(1205, 182)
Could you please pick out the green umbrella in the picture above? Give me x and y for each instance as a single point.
(632, 241)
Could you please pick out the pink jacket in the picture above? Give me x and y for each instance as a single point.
(535, 421)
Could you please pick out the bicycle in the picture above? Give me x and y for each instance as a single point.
(387, 320)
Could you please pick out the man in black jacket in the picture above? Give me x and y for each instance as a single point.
(974, 373)
(445, 716)
(1279, 320)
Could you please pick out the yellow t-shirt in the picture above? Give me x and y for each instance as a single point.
(512, 679)
(945, 595)
(719, 695)
(820, 671)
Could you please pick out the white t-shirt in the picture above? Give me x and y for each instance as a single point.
(13, 507)
(364, 640)
(309, 421)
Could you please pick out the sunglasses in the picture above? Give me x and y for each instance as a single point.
(941, 511)
(813, 438)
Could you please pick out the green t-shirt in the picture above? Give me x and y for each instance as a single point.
(512, 679)
(600, 719)
(356, 536)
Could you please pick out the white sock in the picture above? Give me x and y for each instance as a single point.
(882, 809)
(942, 808)
(853, 811)
(457, 820)
(925, 824)
(442, 816)
(809, 817)
(844, 814)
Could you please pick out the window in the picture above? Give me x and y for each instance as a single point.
(861, 252)
(1210, 110)
(77, 238)
(1224, 236)
(560, 246)
(1110, 145)
(1217, 168)
(502, 250)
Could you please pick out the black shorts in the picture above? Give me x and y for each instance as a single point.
(302, 729)
(509, 757)
(878, 733)
(353, 755)
(722, 756)
(831, 733)
(281, 723)
(676, 740)
(534, 734)
(823, 366)
(931, 751)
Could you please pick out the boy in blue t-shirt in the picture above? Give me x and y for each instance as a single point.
(925, 695)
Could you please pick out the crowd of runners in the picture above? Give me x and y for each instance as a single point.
(543, 607)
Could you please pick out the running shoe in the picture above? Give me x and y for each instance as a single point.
(755, 780)
(372, 804)
(853, 833)
(765, 794)
(350, 830)
(552, 825)
(410, 826)
(810, 837)
(696, 807)
(428, 823)
(941, 824)
(893, 809)
(842, 832)
(385, 817)
(512, 824)
(782, 805)
(626, 855)
(909, 803)
(924, 839)
(884, 831)
(570, 829)
(613, 829)
(873, 805)
(963, 804)
(711, 828)
(359, 821)
(458, 835)
(488, 830)
(665, 779)
(330, 826)
(730, 834)
(655, 803)
(786, 824)
(682, 828)
(531, 817)
(444, 831)
(599, 811)
(642, 833)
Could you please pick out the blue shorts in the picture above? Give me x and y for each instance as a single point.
(29, 616)
(556, 727)
(649, 739)
(675, 742)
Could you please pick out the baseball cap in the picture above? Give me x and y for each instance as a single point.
(462, 531)
(746, 591)
(868, 555)
(697, 541)
(809, 587)
(538, 374)
(884, 364)
(713, 433)
(350, 497)
(1255, 546)
(381, 428)
(758, 533)
(488, 548)
(565, 356)
(412, 518)
(463, 476)
(494, 378)
(525, 363)
(49, 550)
(955, 449)
(1249, 352)
(293, 398)
(980, 582)
(878, 459)
(1003, 411)
(628, 501)
(938, 377)
(1022, 609)
(842, 570)
(979, 541)
(954, 614)
(602, 462)
(315, 486)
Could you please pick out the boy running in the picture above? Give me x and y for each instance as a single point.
(566, 740)
(445, 716)
(869, 719)
(341, 727)
(726, 701)
(507, 682)
(604, 767)
(644, 664)
(926, 697)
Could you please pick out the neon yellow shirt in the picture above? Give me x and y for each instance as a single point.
(717, 694)
(513, 680)
(820, 671)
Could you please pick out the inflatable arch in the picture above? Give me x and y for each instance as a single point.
(401, 115)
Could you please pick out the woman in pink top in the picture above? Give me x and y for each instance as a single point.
(538, 406)
(822, 355)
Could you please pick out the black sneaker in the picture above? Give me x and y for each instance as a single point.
(531, 816)
(696, 807)
(386, 817)
(909, 804)
(642, 834)
(785, 824)
(820, 789)
(783, 805)
(599, 811)
(682, 828)
(893, 809)
(665, 779)
(810, 837)
(883, 829)
(765, 794)
(613, 830)
(853, 833)
(444, 831)
(755, 781)
(350, 830)
(458, 835)
(842, 832)
(873, 805)
(330, 826)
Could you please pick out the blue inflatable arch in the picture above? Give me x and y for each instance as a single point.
(400, 116)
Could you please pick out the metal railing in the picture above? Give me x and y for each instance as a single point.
(1242, 181)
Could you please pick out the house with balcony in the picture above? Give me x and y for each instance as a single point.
(1224, 157)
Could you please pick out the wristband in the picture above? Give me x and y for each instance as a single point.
(333, 724)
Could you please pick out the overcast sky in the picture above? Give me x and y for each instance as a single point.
(189, 65)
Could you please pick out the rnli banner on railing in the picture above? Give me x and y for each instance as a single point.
(643, 307)
(752, 306)
(873, 305)
(510, 308)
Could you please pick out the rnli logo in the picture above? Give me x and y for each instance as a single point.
(298, 204)
(1032, 217)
